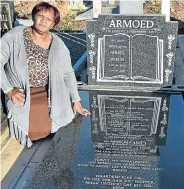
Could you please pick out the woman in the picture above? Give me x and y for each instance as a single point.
(37, 76)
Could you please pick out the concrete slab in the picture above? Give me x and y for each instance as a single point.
(9, 155)
(4, 137)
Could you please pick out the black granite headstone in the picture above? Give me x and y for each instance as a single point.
(131, 51)
(132, 140)
(7, 15)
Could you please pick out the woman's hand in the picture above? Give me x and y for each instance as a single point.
(16, 95)
(77, 107)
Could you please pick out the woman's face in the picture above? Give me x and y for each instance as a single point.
(44, 20)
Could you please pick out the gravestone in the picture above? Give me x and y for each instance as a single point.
(126, 143)
(7, 15)
(131, 51)
(131, 7)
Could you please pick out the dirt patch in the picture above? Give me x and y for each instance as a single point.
(177, 8)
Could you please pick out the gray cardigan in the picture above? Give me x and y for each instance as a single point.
(14, 73)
